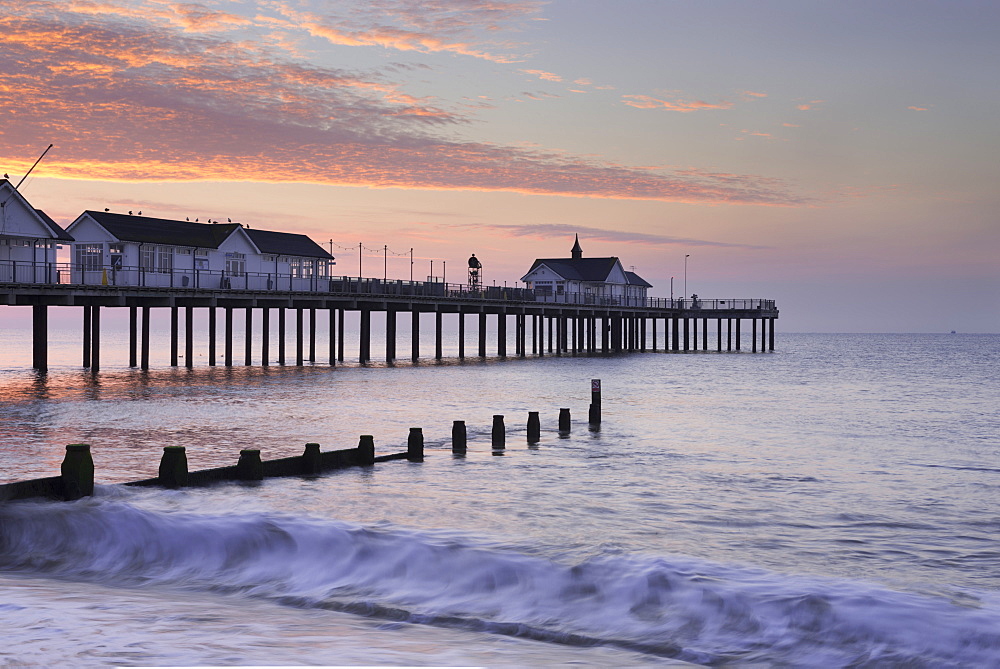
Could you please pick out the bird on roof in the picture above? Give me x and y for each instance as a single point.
(129, 212)
(230, 220)
(187, 218)
(140, 213)
(5, 176)
(106, 209)
(196, 220)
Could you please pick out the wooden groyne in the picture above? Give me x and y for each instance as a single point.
(76, 477)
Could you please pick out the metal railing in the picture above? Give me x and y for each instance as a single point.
(73, 274)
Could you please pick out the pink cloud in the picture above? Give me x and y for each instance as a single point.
(684, 106)
(146, 100)
(918, 108)
(543, 75)
(806, 106)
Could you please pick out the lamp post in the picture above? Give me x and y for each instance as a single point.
(671, 291)
(686, 274)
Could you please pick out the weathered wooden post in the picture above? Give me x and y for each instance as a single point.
(534, 428)
(250, 467)
(499, 434)
(595, 402)
(173, 467)
(366, 450)
(311, 459)
(564, 420)
(459, 437)
(415, 445)
(77, 472)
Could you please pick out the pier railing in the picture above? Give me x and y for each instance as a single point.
(74, 274)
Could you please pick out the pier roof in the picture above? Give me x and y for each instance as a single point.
(636, 280)
(578, 269)
(149, 230)
(286, 244)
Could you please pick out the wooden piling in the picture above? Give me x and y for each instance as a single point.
(133, 336)
(144, 340)
(498, 436)
(250, 467)
(366, 450)
(173, 471)
(415, 445)
(459, 437)
(534, 428)
(212, 331)
(564, 420)
(311, 461)
(595, 402)
(414, 335)
(77, 472)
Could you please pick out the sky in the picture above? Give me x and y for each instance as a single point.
(838, 157)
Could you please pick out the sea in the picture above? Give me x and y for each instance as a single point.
(833, 503)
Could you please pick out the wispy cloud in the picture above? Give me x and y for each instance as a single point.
(918, 108)
(543, 75)
(549, 230)
(806, 106)
(677, 105)
(139, 96)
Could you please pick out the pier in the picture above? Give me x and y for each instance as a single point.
(540, 324)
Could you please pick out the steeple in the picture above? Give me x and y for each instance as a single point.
(577, 252)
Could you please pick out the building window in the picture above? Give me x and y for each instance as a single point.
(236, 264)
(147, 258)
(295, 267)
(90, 256)
(165, 259)
(323, 268)
(117, 252)
(201, 259)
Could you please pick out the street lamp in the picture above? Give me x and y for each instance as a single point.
(686, 274)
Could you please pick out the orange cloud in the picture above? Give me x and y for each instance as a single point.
(806, 106)
(684, 106)
(543, 75)
(135, 100)
(918, 108)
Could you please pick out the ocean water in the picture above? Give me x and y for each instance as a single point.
(833, 503)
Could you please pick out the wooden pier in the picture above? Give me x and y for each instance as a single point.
(540, 327)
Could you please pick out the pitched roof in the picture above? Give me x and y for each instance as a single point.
(149, 230)
(56, 228)
(636, 280)
(287, 244)
(578, 269)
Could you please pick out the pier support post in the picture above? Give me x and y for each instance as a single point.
(248, 338)
(654, 333)
(704, 334)
(564, 420)
(340, 335)
(40, 337)
(86, 336)
(311, 461)
(366, 450)
(729, 334)
(414, 334)
(249, 467)
(144, 342)
(174, 335)
(390, 335)
(502, 333)
(694, 334)
(415, 445)
(332, 337)
(770, 334)
(133, 336)
(213, 327)
(95, 338)
(675, 334)
(642, 332)
(173, 471)
(753, 335)
(482, 334)
(265, 336)
(687, 333)
(498, 435)
(438, 327)
(281, 336)
(534, 334)
(189, 337)
(366, 336)
(459, 437)
(228, 345)
(77, 472)
(534, 428)
(312, 334)
(299, 337)
(461, 334)
(718, 334)
(738, 333)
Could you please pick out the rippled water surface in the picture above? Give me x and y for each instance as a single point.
(831, 503)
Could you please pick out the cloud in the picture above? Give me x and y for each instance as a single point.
(918, 108)
(543, 75)
(142, 98)
(549, 230)
(806, 106)
(685, 106)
